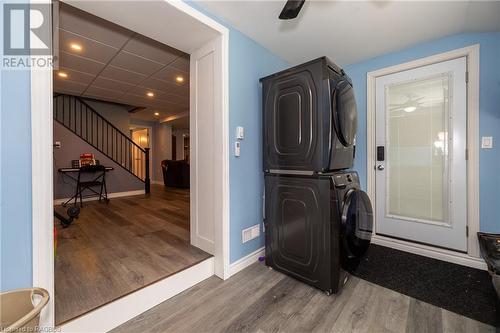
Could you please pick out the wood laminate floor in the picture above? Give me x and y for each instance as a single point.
(262, 300)
(112, 250)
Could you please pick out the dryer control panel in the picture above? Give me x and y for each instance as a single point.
(345, 178)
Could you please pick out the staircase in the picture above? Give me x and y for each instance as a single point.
(80, 118)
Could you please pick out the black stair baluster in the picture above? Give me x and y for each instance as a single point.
(63, 110)
(102, 134)
(69, 113)
(74, 112)
(81, 122)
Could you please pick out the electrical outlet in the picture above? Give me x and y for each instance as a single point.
(487, 142)
(250, 233)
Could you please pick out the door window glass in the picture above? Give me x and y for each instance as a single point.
(417, 145)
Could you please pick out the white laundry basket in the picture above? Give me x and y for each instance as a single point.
(18, 311)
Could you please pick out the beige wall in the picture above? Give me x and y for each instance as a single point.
(179, 143)
(163, 148)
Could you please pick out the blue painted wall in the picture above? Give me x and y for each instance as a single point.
(489, 114)
(248, 62)
(15, 202)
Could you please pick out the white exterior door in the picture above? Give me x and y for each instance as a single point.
(421, 167)
(206, 142)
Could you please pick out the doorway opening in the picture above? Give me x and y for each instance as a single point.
(207, 40)
(115, 92)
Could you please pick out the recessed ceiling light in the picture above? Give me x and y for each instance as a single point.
(179, 79)
(410, 108)
(62, 74)
(157, 113)
(76, 47)
(150, 94)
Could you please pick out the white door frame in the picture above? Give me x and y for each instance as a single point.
(472, 257)
(42, 141)
(151, 147)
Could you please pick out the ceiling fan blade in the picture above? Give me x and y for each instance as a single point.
(291, 9)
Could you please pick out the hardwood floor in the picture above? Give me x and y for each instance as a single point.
(262, 300)
(112, 250)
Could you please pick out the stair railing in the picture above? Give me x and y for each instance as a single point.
(79, 117)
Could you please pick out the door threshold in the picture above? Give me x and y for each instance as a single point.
(454, 257)
(112, 315)
(421, 243)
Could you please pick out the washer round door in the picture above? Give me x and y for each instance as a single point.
(345, 113)
(357, 223)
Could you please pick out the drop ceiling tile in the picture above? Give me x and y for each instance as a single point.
(136, 100)
(176, 99)
(181, 63)
(75, 76)
(90, 48)
(148, 48)
(90, 26)
(135, 63)
(104, 94)
(68, 87)
(181, 91)
(118, 86)
(163, 86)
(169, 74)
(119, 74)
(80, 64)
(149, 114)
(166, 105)
(143, 91)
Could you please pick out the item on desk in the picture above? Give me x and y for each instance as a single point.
(87, 159)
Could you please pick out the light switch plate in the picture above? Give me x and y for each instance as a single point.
(237, 149)
(487, 142)
(240, 133)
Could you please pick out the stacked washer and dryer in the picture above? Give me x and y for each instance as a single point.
(318, 221)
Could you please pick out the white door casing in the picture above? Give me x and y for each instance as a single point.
(472, 257)
(443, 189)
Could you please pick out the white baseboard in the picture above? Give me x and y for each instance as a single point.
(246, 261)
(120, 311)
(110, 196)
(430, 251)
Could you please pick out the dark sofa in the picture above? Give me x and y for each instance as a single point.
(175, 173)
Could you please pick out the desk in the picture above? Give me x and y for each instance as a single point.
(69, 170)
(69, 173)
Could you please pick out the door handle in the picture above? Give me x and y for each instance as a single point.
(380, 167)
